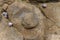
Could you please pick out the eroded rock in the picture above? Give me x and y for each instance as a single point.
(53, 20)
(31, 18)
(10, 34)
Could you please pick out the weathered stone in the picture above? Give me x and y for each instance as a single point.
(52, 13)
(30, 23)
(31, 16)
(10, 24)
(8, 33)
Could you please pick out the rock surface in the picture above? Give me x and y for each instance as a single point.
(27, 20)
(30, 22)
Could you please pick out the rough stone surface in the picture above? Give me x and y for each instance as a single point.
(27, 19)
(53, 20)
(8, 33)
(30, 22)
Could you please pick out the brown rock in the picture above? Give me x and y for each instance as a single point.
(8, 33)
(31, 16)
(53, 21)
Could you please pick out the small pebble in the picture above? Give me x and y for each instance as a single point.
(10, 24)
(44, 5)
(5, 14)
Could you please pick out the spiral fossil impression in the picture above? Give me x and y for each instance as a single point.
(30, 20)
(26, 19)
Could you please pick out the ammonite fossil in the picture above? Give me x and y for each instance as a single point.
(27, 19)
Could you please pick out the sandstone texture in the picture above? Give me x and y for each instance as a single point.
(30, 21)
(27, 20)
